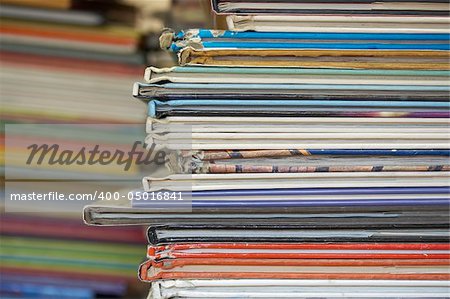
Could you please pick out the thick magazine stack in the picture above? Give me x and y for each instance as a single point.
(313, 142)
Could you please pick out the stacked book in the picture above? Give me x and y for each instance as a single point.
(315, 159)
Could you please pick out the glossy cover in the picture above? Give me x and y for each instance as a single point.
(338, 23)
(408, 95)
(229, 268)
(291, 288)
(239, 112)
(244, 214)
(301, 251)
(255, 75)
(215, 39)
(358, 59)
(233, 181)
(325, 7)
(283, 234)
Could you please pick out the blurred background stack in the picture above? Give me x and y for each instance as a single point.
(74, 62)
(61, 258)
(67, 60)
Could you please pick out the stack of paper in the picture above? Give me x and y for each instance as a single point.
(315, 161)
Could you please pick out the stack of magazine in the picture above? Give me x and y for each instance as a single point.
(312, 141)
